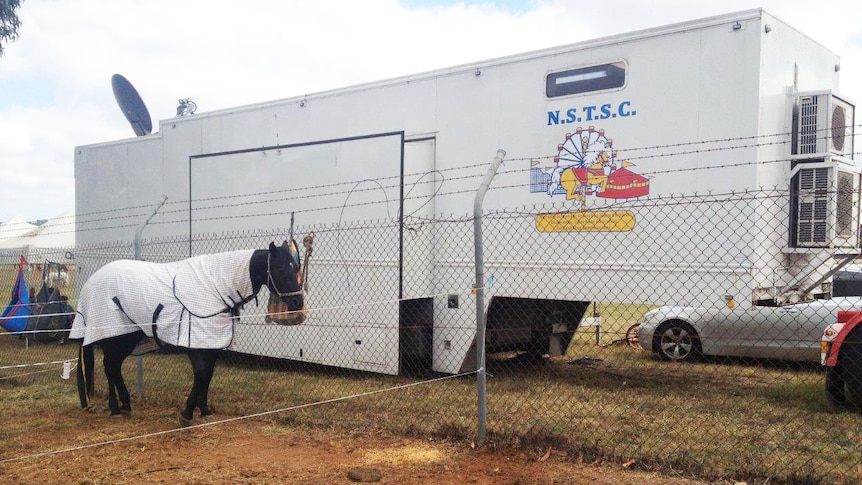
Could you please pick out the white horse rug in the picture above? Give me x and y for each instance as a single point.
(188, 302)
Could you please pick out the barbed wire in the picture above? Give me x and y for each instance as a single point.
(321, 190)
(438, 193)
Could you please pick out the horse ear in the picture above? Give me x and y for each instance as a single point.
(286, 245)
(272, 247)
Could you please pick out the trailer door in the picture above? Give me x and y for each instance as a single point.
(416, 308)
(420, 184)
(341, 189)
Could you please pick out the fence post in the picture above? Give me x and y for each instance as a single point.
(139, 381)
(479, 288)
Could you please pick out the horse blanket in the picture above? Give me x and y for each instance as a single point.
(189, 302)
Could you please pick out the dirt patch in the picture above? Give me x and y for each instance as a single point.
(144, 449)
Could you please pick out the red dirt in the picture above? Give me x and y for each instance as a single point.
(258, 452)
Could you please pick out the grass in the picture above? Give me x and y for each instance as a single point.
(764, 422)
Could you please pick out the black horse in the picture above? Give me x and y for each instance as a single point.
(191, 304)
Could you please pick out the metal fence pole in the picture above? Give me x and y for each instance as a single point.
(480, 293)
(139, 381)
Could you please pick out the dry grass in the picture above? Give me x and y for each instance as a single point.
(729, 419)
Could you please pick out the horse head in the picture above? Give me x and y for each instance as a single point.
(286, 300)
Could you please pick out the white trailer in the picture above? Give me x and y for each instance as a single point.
(381, 151)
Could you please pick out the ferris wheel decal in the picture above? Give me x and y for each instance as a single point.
(588, 165)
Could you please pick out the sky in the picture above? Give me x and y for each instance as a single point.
(55, 80)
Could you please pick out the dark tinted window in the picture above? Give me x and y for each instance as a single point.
(585, 79)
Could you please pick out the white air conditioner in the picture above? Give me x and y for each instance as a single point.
(825, 207)
(823, 125)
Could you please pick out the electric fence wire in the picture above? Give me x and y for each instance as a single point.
(237, 418)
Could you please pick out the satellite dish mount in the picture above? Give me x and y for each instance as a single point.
(186, 107)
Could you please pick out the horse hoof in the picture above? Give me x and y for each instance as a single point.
(126, 413)
(184, 421)
(207, 418)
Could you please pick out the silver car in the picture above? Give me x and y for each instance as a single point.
(789, 332)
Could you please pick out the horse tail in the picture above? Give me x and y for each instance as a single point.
(85, 375)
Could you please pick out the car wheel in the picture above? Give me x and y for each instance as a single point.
(850, 360)
(676, 341)
(834, 389)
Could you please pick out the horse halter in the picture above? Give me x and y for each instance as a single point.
(272, 282)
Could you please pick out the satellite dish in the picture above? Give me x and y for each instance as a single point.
(132, 105)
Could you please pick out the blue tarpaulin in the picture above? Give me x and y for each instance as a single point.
(14, 317)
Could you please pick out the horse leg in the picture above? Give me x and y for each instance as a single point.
(197, 361)
(209, 361)
(203, 365)
(115, 354)
(112, 369)
(84, 375)
(127, 345)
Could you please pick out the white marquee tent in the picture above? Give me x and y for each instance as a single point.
(51, 240)
(14, 228)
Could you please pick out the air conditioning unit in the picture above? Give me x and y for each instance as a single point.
(823, 124)
(825, 206)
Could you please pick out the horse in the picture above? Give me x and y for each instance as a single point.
(190, 304)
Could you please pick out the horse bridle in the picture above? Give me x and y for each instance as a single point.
(272, 282)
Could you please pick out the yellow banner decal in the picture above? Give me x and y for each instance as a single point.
(602, 221)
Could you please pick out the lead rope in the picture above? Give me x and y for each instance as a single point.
(308, 242)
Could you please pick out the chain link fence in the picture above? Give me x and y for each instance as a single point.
(625, 333)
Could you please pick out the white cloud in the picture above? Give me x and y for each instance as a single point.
(55, 79)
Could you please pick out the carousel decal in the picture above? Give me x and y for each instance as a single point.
(587, 165)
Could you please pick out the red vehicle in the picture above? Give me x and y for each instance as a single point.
(841, 353)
